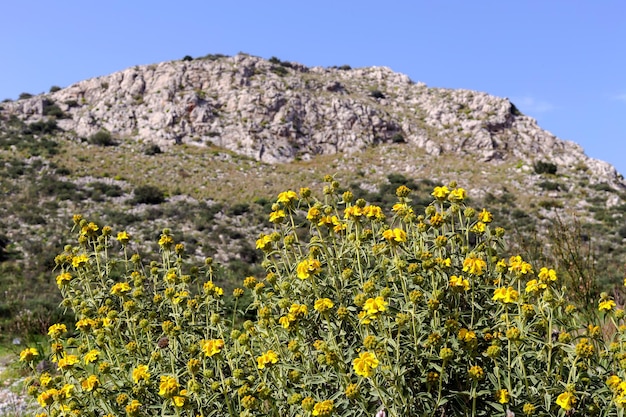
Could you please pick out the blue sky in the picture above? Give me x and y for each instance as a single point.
(562, 62)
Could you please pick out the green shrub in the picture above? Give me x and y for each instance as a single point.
(148, 194)
(279, 70)
(152, 149)
(54, 89)
(542, 167)
(377, 94)
(102, 138)
(42, 127)
(416, 314)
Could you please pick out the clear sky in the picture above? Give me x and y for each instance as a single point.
(562, 62)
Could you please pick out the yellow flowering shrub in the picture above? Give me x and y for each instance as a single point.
(397, 314)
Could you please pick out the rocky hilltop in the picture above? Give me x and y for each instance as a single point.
(276, 112)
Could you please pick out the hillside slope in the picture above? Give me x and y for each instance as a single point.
(204, 146)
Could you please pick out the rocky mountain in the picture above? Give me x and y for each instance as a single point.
(204, 145)
(275, 112)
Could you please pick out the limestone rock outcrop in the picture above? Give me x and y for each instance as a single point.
(277, 111)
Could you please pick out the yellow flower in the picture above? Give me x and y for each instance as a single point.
(267, 358)
(533, 286)
(264, 242)
(566, 400)
(546, 274)
(323, 409)
(123, 237)
(91, 356)
(338, 226)
(402, 209)
(63, 279)
(353, 212)
(474, 265)
(65, 392)
(323, 304)
(179, 400)
(132, 409)
(308, 267)
(67, 361)
(505, 295)
(120, 288)
(374, 306)
(46, 398)
(286, 197)
(485, 216)
(85, 324)
(440, 193)
(613, 382)
(277, 216)
(478, 228)
(299, 310)
(373, 213)
(606, 305)
(584, 348)
(169, 386)
(518, 266)
(80, 261)
(459, 282)
(90, 383)
(57, 330)
(396, 235)
(365, 364)
(314, 214)
(457, 195)
(89, 229)
(503, 396)
(45, 379)
(476, 372)
(436, 220)
(166, 241)
(28, 354)
(211, 347)
(287, 320)
(141, 373)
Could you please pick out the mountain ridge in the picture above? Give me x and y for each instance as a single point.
(276, 112)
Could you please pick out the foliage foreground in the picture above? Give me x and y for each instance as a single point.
(361, 313)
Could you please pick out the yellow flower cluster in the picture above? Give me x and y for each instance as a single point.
(371, 308)
(308, 267)
(459, 283)
(395, 235)
(474, 265)
(267, 358)
(211, 347)
(505, 295)
(566, 400)
(365, 364)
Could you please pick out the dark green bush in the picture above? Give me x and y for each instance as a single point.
(398, 138)
(542, 167)
(377, 94)
(148, 194)
(42, 126)
(102, 138)
(549, 185)
(279, 70)
(152, 149)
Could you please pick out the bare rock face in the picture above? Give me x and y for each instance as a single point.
(277, 111)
